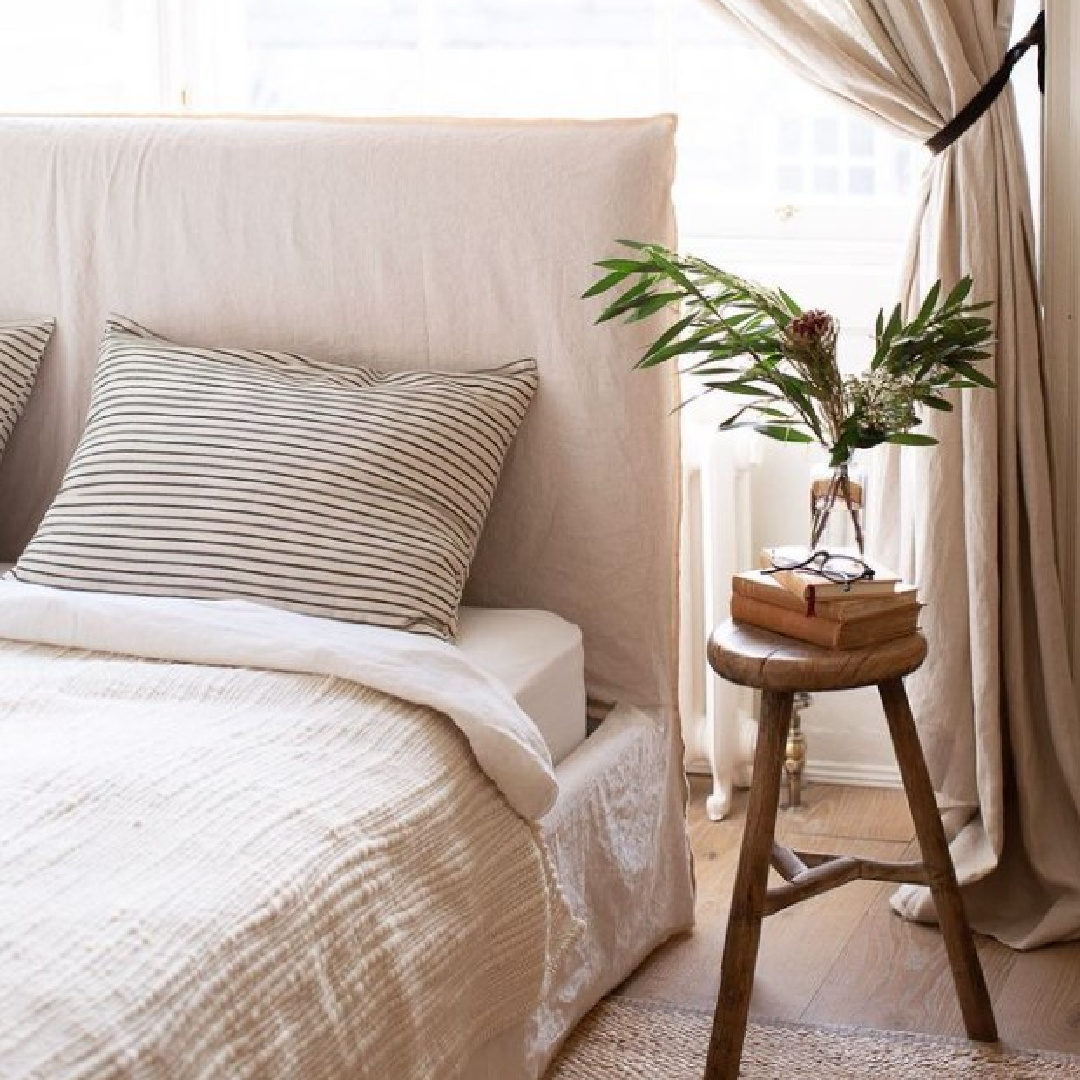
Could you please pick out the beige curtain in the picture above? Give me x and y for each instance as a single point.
(970, 520)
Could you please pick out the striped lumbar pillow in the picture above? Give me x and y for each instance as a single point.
(330, 490)
(21, 347)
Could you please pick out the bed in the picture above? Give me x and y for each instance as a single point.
(209, 867)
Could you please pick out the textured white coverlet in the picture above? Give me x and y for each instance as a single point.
(210, 870)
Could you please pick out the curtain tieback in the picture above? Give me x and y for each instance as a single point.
(988, 94)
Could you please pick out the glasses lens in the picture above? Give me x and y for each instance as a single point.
(798, 560)
(845, 568)
(840, 569)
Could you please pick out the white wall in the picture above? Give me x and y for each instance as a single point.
(847, 740)
(846, 734)
(1061, 291)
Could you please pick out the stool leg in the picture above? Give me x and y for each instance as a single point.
(967, 971)
(748, 896)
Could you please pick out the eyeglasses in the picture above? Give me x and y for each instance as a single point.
(840, 569)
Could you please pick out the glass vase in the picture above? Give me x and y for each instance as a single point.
(837, 505)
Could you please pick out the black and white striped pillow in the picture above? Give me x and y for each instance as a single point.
(21, 347)
(334, 491)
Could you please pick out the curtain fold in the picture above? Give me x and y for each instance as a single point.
(970, 521)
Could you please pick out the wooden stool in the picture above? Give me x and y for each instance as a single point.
(781, 667)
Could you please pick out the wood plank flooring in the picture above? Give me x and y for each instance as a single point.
(845, 958)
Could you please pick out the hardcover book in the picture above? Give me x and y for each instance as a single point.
(853, 605)
(856, 633)
(813, 587)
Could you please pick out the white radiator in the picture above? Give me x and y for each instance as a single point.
(718, 718)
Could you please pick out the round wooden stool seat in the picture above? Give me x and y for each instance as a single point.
(751, 657)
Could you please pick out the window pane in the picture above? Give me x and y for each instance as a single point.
(789, 180)
(826, 180)
(861, 180)
(826, 135)
(79, 55)
(332, 24)
(860, 138)
(540, 24)
(789, 139)
(456, 57)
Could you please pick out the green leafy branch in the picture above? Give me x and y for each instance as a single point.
(755, 342)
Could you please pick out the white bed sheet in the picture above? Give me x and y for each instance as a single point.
(540, 658)
(413, 667)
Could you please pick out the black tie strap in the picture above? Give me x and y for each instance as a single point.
(988, 94)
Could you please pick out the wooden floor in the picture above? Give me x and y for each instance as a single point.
(845, 958)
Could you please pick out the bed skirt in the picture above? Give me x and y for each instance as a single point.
(618, 837)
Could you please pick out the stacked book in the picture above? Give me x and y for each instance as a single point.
(804, 605)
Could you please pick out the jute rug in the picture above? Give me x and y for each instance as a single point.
(624, 1039)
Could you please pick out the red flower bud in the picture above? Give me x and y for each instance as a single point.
(811, 327)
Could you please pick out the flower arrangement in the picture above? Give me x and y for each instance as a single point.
(756, 342)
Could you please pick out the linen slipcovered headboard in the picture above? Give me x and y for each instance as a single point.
(411, 243)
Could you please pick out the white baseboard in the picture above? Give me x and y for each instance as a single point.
(698, 765)
(851, 773)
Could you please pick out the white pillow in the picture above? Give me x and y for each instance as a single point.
(22, 345)
(331, 490)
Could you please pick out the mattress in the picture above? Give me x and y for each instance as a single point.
(539, 658)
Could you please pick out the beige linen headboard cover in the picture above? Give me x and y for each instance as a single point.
(415, 243)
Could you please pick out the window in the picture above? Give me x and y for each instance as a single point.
(749, 131)
(775, 180)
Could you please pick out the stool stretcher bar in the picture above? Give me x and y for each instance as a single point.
(810, 874)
